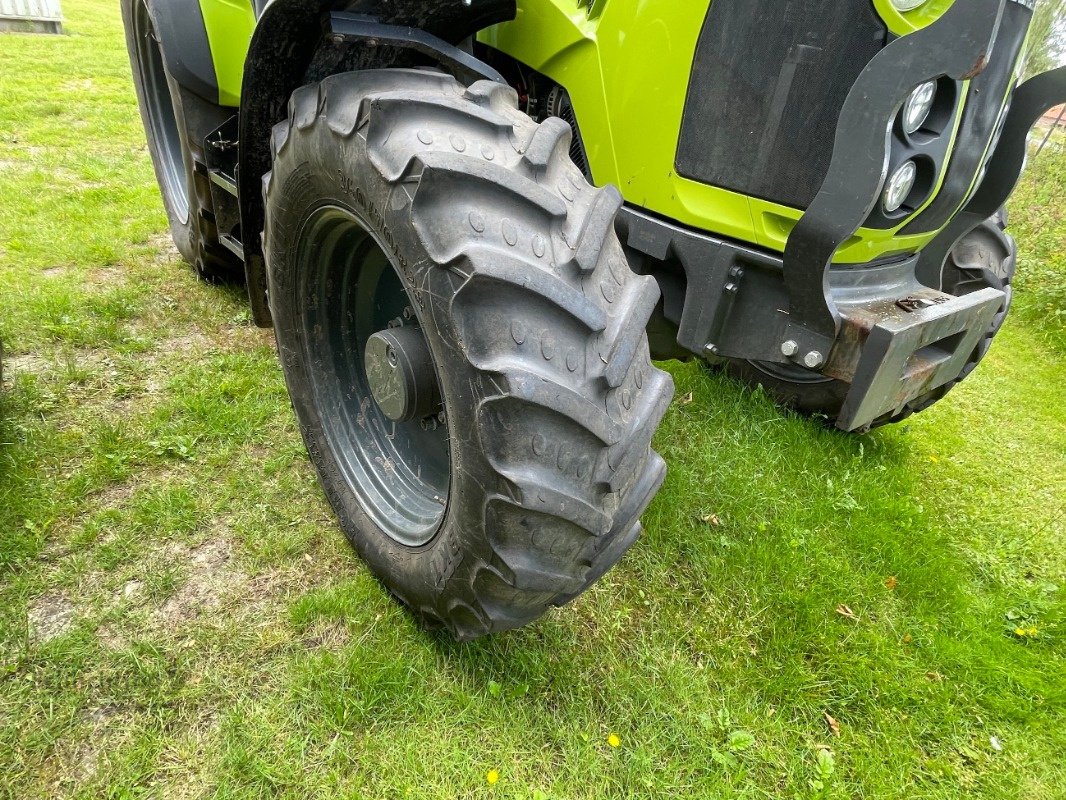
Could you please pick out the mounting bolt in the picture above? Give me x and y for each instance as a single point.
(429, 424)
(813, 359)
(731, 288)
(712, 349)
(789, 348)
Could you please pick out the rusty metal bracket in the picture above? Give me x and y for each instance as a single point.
(910, 352)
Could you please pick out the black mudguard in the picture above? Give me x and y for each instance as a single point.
(287, 37)
(186, 50)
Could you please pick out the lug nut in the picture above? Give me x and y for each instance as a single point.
(789, 348)
(813, 359)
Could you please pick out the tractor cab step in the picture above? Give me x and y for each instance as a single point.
(220, 154)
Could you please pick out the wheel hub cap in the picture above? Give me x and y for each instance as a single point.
(399, 368)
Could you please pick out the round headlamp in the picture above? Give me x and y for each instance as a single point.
(919, 104)
(899, 186)
(907, 5)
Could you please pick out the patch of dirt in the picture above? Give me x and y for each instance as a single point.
(59, 363)
(107, 276)
(78, 86)
(166, 250)
(116, 495)
(54, 272)
(111, 638)
(50, 616)
(6, 165)
(260, 452)
(212, 578)
(332, 635)
(29, 363)
(80, 762)
(193, 342)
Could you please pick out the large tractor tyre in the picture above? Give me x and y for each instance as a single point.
(172, 118)
(464, 344)
(985, 257)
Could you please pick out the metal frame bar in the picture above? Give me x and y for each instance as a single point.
(1029, 102)
(360, 29)
(957, 45)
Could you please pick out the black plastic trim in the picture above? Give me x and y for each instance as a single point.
(179, 24)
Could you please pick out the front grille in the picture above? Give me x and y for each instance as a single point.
(768, 83)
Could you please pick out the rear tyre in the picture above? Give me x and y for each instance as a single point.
(985, 257)
(167, 112)
(437, 225)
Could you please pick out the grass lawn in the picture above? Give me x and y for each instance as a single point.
(860, 617)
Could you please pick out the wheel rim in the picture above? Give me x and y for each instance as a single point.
(159, 107)
(399, 471)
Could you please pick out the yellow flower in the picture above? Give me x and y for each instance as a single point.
(614, 740)
(493, 776)
(934, 459)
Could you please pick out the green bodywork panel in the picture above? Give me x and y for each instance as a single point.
(626, 65)
(229, 26)
(904, 22)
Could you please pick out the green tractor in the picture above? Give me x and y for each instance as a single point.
(473, 224)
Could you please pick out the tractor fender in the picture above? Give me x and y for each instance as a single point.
(287, 37)
(179, 24)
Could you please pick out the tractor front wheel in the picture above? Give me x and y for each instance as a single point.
(463, 342)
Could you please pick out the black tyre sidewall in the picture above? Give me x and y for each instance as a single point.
(417, 574)
(184, 231)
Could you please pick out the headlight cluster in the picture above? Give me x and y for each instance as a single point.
(907, 5)
(919, 129)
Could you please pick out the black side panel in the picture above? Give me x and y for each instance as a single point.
(767, 86)
(181, 30)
